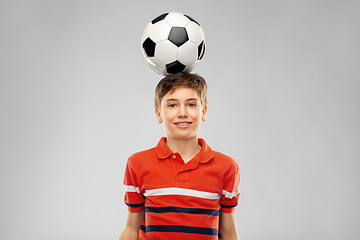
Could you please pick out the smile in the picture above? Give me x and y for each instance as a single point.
(183, 123)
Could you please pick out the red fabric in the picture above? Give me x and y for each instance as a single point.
(181, 200)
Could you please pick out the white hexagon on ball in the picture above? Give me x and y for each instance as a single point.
(166, 52)
(159, 31)
(187, 53)
(176, 19)
(156, 66)
(190, 68)
(146, 32)
(194, 33)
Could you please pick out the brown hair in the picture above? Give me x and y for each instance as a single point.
(177, 80)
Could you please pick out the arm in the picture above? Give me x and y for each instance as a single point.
(228, 226)
(133, 222)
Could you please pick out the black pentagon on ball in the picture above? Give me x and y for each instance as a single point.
(175, 67)
(149, 47)
(159, 18)
(178, 36)
(201, 50)
(191, 19)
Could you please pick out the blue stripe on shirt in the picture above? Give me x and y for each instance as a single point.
(170, 209)
(180, 229)
(135, 205)
(227, 206)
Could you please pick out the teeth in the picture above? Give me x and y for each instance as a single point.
(182, 124)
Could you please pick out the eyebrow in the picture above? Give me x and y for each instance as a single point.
(174, 99)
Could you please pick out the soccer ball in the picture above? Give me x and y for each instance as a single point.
(173, 42)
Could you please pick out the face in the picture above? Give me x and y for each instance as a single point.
(181, 112)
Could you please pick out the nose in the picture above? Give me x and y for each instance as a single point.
(182, 112)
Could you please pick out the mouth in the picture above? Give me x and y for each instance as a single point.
(183, 124)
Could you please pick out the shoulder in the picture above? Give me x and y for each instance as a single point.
(226, 163)
(142, 157)
(227, 166)
(225, 159)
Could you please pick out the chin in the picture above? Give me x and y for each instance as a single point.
(184, 137)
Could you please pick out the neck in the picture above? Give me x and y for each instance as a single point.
(187, 148)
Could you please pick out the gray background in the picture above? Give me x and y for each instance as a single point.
(76, 99)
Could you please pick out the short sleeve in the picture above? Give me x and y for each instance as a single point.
(230, 195)
(133, 198)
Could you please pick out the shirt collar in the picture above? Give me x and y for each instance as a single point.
(204, 156)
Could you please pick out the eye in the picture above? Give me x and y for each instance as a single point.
(192, 104)
(171, 105)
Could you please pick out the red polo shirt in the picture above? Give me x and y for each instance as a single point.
(181, 201)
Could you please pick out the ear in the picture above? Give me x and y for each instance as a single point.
(158, 116)
(204, 111)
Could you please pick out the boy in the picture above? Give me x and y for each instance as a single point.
(181, 189)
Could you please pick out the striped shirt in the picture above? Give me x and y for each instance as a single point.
(181, 201)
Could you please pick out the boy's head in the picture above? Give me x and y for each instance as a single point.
(172, 82)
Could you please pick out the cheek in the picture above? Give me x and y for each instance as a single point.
(196, 114)
(168, 114)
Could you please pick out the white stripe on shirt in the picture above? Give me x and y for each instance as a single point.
(181, 191)
(131, 189)
(229, 194)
